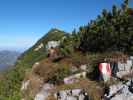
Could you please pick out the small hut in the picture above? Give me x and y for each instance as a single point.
(52, 49)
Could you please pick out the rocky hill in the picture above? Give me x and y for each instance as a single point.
(48, 70)
(94, 63)
(37, 51)
(16, 74)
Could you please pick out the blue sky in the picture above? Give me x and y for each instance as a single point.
(23, 22)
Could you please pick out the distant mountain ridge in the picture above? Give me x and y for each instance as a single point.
(7, 58)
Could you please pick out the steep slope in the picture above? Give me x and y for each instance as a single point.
(13, 77)
(91, 39)
(48, 74)
(31, 55)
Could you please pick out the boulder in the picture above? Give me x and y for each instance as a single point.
(44, 92)
(73, 94)
(119, 92)
(25, 85)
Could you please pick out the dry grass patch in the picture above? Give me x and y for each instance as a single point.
(51, 97)
(34, 86)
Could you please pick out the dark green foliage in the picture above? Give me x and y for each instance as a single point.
(10, 85)
(70, 43)
(60, 73)
(111, 31)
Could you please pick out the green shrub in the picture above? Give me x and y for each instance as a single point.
(61, 72)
